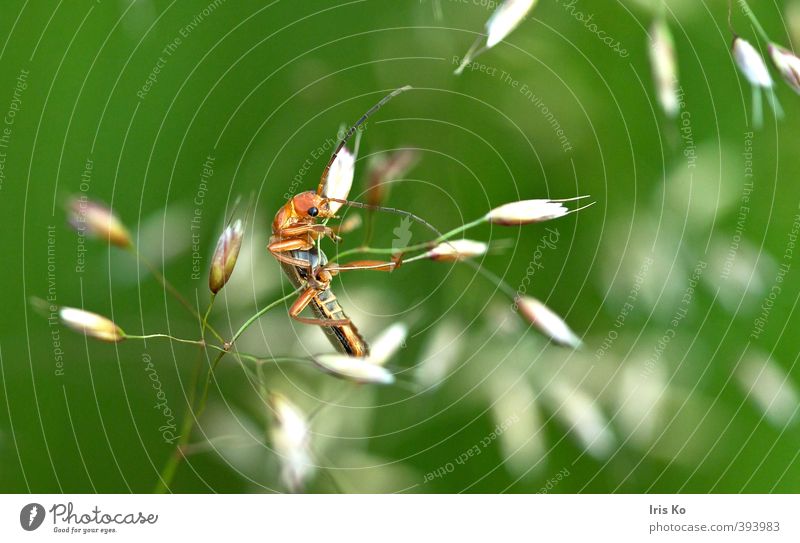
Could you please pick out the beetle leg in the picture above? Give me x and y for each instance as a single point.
(296, 231)
(377, 265)
(278, 248)
(302, 302)
(332, 235)
(318, 229)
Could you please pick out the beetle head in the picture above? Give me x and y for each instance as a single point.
(311, 205)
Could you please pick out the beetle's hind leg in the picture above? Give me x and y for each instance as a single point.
(302, 302)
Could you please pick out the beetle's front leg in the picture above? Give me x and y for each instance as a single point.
(304, 229)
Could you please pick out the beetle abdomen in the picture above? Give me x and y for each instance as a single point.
(345, 339)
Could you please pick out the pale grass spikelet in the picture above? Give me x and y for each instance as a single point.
(530, 211)
(441, 353)
(581, 414)
(505, 19)
(367, 369)
(508, 15)
(351, 223)
(641, 397)
(340, 179)
(547, 321)
(769, 386)
(526, 212)
(388, 343)
(755, 70)
(91, 324)
(515, 409)
(751, 64)
(787, 63)
(97, 221)
(385, 169)
(357, 369)
(225, 256)
(290, 434)
(459, 249)
(665, 66)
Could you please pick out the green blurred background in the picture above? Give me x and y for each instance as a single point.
(259, 86)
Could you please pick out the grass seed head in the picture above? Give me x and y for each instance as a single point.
(581, 413)
(91, 324)
(351, 223)
(550, 324)
(385, 169)
(526, 212)
(96, 220)
(459, 249)
(359, 370)
(751, 64)
(388, 343)
(291, 435)
(340, 179)
(787, 63)
(505, 19)
(225, 256)
(665, 67)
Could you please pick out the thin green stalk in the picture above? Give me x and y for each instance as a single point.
(772, 98)
(170, 468)
(200, 342)
(171, 289)
(229, 345)
(752, 16)
(758, 112)
(204, 398)
(417, 247)
(502, 284)
(168, 472)
(437, 10)
(204, 323)
(261, 313)
(260, 360)
(470, 55)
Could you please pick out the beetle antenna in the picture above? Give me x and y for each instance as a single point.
(352, 131)
(394, 210)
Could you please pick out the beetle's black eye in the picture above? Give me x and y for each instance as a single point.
(313, 211)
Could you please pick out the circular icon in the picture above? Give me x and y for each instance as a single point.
(31, 516)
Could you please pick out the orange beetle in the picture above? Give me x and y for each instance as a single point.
(295, 233)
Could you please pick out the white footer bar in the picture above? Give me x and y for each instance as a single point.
(406, 518)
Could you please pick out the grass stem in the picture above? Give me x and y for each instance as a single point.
(752, 16)
(167, 474)
(417, 247)
(171, 289)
